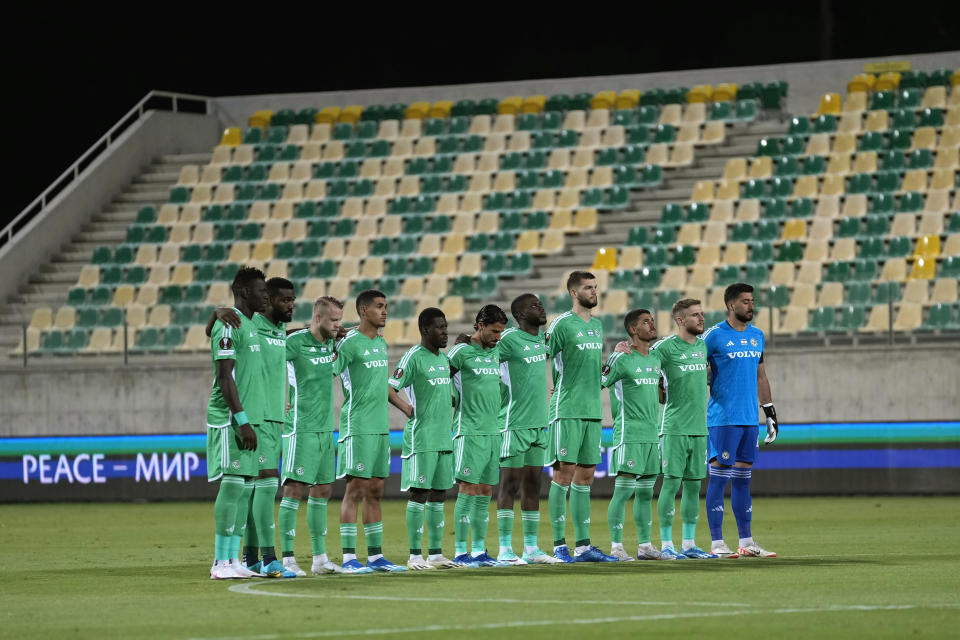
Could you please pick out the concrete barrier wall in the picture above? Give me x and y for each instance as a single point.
(912, 383)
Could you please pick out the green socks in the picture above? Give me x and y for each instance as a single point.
(690, 508)
(317, 521)
(557, 502)
(251, 545)
(667, 507)
(643, 508)
(348, 538)
(373, 533)
(505, 528)
(225, 515)
(415, 517)
(243, 510)
(580, 512)
(287, 519)
(479, 523)
(623, 488)
(462, 511)
(434, 522)
(264, 497)
(531, 527)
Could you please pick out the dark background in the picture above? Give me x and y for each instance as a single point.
(73, 72)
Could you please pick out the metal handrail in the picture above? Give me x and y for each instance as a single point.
(41, 202)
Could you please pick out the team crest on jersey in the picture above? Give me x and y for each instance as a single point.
(399, 373)
(753, 342)
(466, 471)
(546, 337)
(422, 479)
(664, 465)
(563, 452)
(360, 466)
(262, 459)
(630, 463)
(236, 464)
(725, 455)
(225, 344)
(301, 471)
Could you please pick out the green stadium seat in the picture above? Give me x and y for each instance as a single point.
(755, 273)
(793, 145)
(683, 255)
(671, 214)
(664, 133)
(774, 208)
(111, 275)
(676, 95)
(282, 118)
(135, 275)
(720, 111)
(931, 117)
(865, 270)
(101, 255)
(727, 275)
(356, 149)
(233, 173)
(899, 247)
(637, 236)
(111, 317)
(799, 126)
(343, 228)
(813, 165)
(623, 279)
(920, 159)
(766, 230)
(205, 272)
(909, 98)
(851, 318)
(871, 141)
(741, 232)
(883, 100)
(655, 256)
(954, 224)
(801, 208)
(848, 227)
(892, 160)
(902, 119)
(881, 203)
(535, 160)
(664, 236)
(551, 121)
(746, 110)
(871, 248)
(634, 154)
(910, 202)
(790, 251)
(858, 293)
(228, 271)
(607, 157)
(253, 135)
(697, 212)
(653, 97)
(147, 339)
(939, 317)
(752, 189)
(521, 264)
(171, 295)
(666, 298)
(826, 123)
(761, 252)
(887, 292)
(822, 319)
(648, 278)
(536, 221)
(146, 215)
(900, 139)
(786, 166)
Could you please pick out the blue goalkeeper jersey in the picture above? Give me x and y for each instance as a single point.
(733, 357)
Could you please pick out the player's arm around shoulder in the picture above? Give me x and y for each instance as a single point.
(611, 370)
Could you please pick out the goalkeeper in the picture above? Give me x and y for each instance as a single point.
(737, 381)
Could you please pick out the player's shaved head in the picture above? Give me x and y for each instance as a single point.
(323, 304)
(519, 303)
(427, 317)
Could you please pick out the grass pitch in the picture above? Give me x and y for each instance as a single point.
(847, 567)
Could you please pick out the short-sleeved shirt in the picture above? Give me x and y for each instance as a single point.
(634, 383)
(425, 378)
(477, 386)
(576, 348)
(364, 370)
(310, 378)
(684, 369)
(273, 347)
(734, 357)
(243, 347)
(523, 377)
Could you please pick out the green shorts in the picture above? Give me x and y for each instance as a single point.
(684, 456)
(574, 440)
(268, 445)
(364, 456)
(523, 448)
(477, 459)
(427, 470)
(636, 458)
(224, 456)
(309, 457)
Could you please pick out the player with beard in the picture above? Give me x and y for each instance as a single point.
(737, 380)
(575, 345)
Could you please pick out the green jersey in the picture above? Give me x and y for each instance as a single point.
(634, 383)
(243, 347)
(273, 345)
(363, 369)
(523, 377)
(684, 369)
(576, 348)
(425, 378)
(477, 384)
(310, 378)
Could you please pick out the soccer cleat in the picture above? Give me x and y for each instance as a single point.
(671, 554)
(291, 565)
(562, 554)
(486, 560)
(540, 557)
(698, 554)
(593, 555)
(721, 550)
(223, 570)
(354, 566)
(620, 555)
(384, 565)
(464, 560)
(257, 569)
(755, 551)
(418, 564)
(442, 563)
(647, 552)
(511, 559)
(327, 567)
(244, 571)
(276, 570)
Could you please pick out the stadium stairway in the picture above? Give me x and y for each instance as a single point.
(50, 286)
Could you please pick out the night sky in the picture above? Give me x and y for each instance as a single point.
(72, 73)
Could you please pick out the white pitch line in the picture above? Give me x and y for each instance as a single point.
(511, 624)
(249, 589)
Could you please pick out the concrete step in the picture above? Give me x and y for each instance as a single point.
(185, 158)
(141, 198)
(166, 178)
(100, 237)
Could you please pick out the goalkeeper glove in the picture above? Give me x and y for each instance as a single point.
(773, 425)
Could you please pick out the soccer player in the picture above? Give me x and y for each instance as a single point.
(423, 373)
(271, 327)
(235, 410)
(738, 379)
(522, 352)
(476, 438)
(309, 448)
(634, 382)
(683, 427)
(575, 344)
(363, 449)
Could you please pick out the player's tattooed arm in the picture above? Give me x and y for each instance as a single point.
(228, 388)
(399, 402)
(226, 315)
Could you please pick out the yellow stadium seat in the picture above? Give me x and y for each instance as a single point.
(803, 296)
(844, 249)
(681, 156)
(576, 178)
(480, 125)
(628, 99)
(831, 295)
(160, 275)
(895, 270)
(721, 211)
(351, 114)
(410, 128)
(727, 190)
(333, 151)
(878, 320)
(512, 105)
(820, 229)
(189, 175)
(299, 134)
(794, 229)
(412, 333)
(339, 288)
(321, 133)
(201, 194)
(700, 93)
(603, 100)
(388, 130)
(838, 164)
(440, 109)
(519, 141)
(833, 185)
(944, 290)
(854, 206)
(670, 115)
(425, 147)
(277, 269)
(924, 138)
(689, 233)
(534, 104)
(702, 191)
(616, 301)
(695, 113)
(761, 168)
(89, 275)
(544, 199)
(714, 232)
(829, 104)
(471, 264)
(850, 123)
(601, 177)
(597, 119)
(909, 317)
(479, 183)
(585, 220)
(488, 162)
(701, 275)
(816, 250)
(782, 274)
(495, 143)
(560, 219)
(889, 81)
(590, 138)
(394, 331)
(471, 203)
(260, 118)
(417, 110)
(827, 206)
(877, 121)
(714, 132)
(504, 181)
(748, 210)
(42, 319)
(914, 180)
(212, 172)
(552, 242)
(904, 224)
(861, 82)
(159, 316)
(818, 144)
(845, 143)
(795, 320)
(631, 257)
(348, 269)
(411, 287)
(855, 102)
(445, 265)
(937, 202)
(658, 154)
(527, 242)
(452, 307)
(947, 158)
(952, 246)
(673, 278)
(66, 318)
(242, 154)
(232, 136)
(605, 259)
(454, 244)
(463, 223)
(933, 98)
(915, 292)
(314, 288)
(951, 134)
(865, 162)
(805, 187)
(735, 253)
(725, 92)
(735, 169)
(328, 115)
